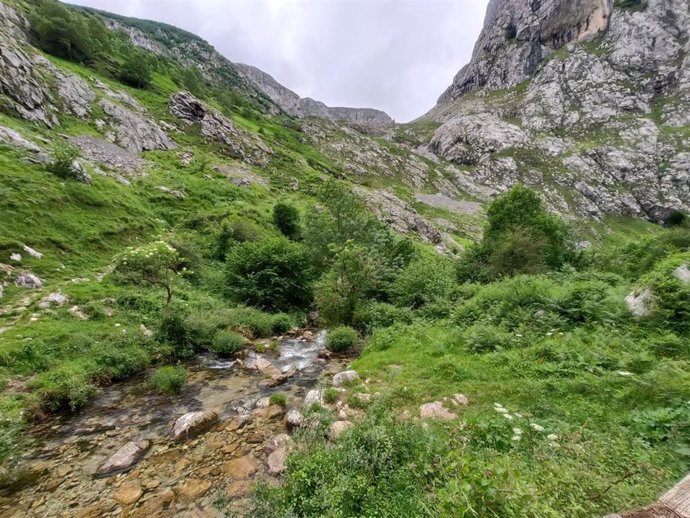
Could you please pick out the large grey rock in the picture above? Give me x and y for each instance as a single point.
(28, 280)
(54, 299)
(133, 130)
(193, 424)
(124, 458)
(217, 128)
(12, 137)
(108, 154)
(468, 139)
(345, 377)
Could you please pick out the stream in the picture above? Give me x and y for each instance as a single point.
(210, 475)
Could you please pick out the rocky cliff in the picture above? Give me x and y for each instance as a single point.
(587, 100)
(296, 106)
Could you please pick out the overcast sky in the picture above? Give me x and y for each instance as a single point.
(394, 55)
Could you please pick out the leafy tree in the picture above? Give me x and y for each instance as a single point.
(345, 285)
(62, 33)
(137, 69)
(193, 81)
(425, 280)
(153, 264)
(286, 218)
(520, 237)
(271, 274)
(338, 218)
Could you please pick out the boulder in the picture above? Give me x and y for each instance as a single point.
(133, 131)
(33, 253)
(640, 303)
(435, 410)
(194, 488)
(28, 280)
(344, 378)
(337, 429)
(294, 420)
(124, 458)
(313, 397)
(54, 299)
(276, 461)
(193, 424)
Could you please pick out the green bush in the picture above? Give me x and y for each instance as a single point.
(281, 323)
(227, 343)
(278, 399)
(136, 70)
(62, 161)
(67, 387)
(169, 379)
(424, 281)
(370, 316)
(174, 330)
(370, 471)
(331, 395)
(271, 274)
(250, 321)
(671, 292)
(232, 232)
(520, 237)
(481, 338)
(341, 339)
(286, 219)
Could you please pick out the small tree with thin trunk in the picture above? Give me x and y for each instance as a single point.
(153, 264)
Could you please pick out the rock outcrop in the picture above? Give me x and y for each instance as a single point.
(217, 128)
(134, 131)
(579, 99)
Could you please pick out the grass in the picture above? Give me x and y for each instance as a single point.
(169, 380)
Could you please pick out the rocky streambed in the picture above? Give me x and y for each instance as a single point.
(137, 453)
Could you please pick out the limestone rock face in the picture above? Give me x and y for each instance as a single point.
(519, 34)
(133, 131)
(217, 128)
(592, 98)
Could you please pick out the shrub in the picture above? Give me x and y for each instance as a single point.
(481, 338)
(281, 323)
(271, 274)
(174, 330)
(62, 162)
(671, 292)
(169, 379)
(520, 237)
(424, 281)
(340, 290)
(136, 70)
(286, 219)
(341, 339)
(67, 387)
(370, 316)
(368, 472)
(278, 399)
(330, 395)
(227, 343)
(233, 231)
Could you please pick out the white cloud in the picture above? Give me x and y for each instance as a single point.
(395, 55)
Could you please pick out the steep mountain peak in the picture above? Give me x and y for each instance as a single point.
(519, 34)
(296, 106)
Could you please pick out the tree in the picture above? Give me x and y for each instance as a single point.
(338, 218)
(344, 286)
(286, 218)
(425, 280)
(137, 70)
(273, 274)
(153, 264)
(520, 237)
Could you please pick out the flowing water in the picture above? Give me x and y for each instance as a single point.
(188, 479)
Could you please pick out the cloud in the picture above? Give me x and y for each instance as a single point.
(395, 55)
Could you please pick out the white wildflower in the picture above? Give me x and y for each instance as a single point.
(501, 410)
(552, 437)
(625, 374)
(536, 427)
(508, 417)
(517, 438)
(517, 431)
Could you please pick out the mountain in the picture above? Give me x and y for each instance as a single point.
(293, 104)
(585, 100)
